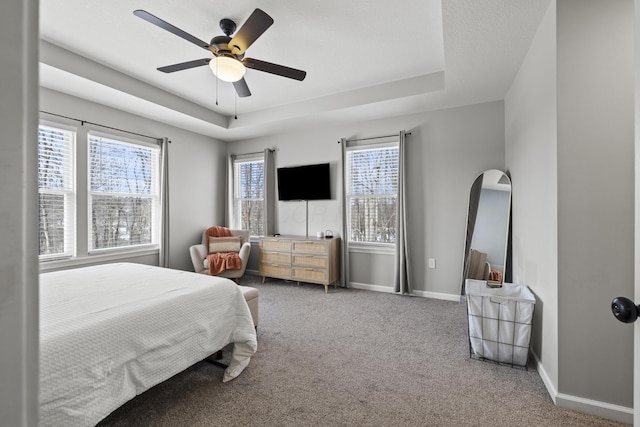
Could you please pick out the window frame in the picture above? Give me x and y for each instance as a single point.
(81, 228)
(154, 195)
(236, 190)
(70, 199)
(364, 246)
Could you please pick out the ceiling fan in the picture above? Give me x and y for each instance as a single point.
(228, 62)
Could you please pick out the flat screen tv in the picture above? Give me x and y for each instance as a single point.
(308, 182)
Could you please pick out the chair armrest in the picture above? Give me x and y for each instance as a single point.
(244, 253)
(245, 250)
(198, 254)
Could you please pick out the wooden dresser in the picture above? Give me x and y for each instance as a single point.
(304, 259)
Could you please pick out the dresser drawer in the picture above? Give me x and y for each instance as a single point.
(282, 245)
(275, 257)
(275, 270)
(310, 275)
(311, 261)
(311, 247)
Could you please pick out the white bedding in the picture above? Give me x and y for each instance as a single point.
(110, 332)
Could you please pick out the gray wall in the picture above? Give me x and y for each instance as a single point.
(531, 146)
(595, 218)
(446, 151)
(197, 171)
(18, 220)
(636, 344)
(569, 119)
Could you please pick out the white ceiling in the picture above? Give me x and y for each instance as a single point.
(365, 59)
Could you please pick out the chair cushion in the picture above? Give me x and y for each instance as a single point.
(224, 244)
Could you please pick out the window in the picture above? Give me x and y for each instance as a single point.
(372, 189)
(56, 192)
(116, 208)
(248, 194)
(124, 196)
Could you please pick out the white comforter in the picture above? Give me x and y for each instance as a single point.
(110, 332)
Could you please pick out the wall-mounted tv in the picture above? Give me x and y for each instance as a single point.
(308, 182)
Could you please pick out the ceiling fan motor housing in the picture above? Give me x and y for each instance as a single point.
(221, 43)
(227, 26)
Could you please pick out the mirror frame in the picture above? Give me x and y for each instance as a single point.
(474, 199)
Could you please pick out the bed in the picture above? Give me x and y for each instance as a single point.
(110, 332)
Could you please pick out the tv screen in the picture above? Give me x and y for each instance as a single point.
(309, 182)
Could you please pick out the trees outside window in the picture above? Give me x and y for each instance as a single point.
(372, 193)
(121, 201)
(249, 195)
(124, 193)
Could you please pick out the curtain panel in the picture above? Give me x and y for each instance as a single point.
(269, 192)
(163, 258)
(402, 273)
(345, 225)
(229, 218)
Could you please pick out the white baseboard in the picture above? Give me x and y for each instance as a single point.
(389, 290)
(437, 295)
(580, 404)
(595, 407)
(369, 287)
(551, 388)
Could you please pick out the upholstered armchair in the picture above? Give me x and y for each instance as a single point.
(199, 255)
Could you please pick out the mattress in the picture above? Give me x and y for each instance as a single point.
(110, 332)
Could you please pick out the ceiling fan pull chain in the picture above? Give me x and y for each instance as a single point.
(235, 98)
(216, 83)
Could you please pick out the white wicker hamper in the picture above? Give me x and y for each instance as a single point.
(500, 321)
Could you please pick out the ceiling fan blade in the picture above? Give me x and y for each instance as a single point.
(172, 29)
(279, 70)
(241, 88)
(184, 65)
(255, 25)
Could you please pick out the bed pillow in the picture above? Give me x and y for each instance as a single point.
(224, 244)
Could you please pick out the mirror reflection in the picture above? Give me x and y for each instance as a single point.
(487, 228)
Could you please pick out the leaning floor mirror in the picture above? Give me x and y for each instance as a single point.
(485, 255)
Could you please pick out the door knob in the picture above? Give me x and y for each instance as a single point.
(625, 310)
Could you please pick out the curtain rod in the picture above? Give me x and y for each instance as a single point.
(256, 152)
(82, 122)
(374, 137)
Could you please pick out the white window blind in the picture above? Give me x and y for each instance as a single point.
(372, 192)
(249, 194)
(56, 192)
(124, 193)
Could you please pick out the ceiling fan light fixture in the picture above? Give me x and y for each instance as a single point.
(227, 69)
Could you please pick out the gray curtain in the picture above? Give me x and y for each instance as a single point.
(163, 258)
(345, 237)
(228, 220)
(474, 199)
(402, 270)
(269, 192)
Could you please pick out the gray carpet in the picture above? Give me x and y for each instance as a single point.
(353, 358)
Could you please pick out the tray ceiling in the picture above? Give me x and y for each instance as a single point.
(364, 59)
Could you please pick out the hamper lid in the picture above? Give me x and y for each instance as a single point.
(510, 291)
